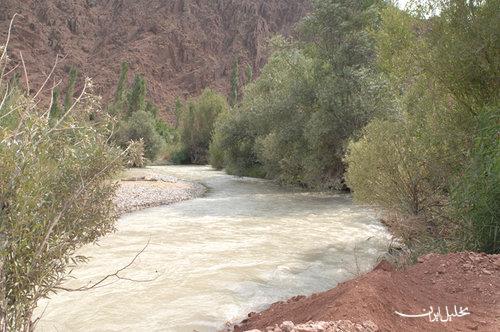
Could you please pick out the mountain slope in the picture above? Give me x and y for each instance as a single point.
(181, 46)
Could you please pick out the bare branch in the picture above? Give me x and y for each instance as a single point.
(48, 76)
(46, 114)
(10, 71)
(72, 106)
(116, 275)
(4, 53)
(25, 73)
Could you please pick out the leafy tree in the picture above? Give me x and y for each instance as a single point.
(249, 73)
(52, 199)
(139, 119)
(70, 89)
(235, 82)
(141, 126)
(197, 124)
(137, 95)
(435, 156)
(121, 88)
(55, 108)
(311, 97)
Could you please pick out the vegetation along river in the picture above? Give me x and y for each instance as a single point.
(244, 245)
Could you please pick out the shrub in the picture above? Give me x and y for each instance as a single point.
(141, 126)
(311, 97)
(56, 194)
(477, 191)
(436, 156)
(197, 125)
(138, 117)
(135, 154)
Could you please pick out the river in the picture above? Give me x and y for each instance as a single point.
(244, 245)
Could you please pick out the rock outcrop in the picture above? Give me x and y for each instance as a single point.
(181, 46)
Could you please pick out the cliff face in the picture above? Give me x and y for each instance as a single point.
(181, 46)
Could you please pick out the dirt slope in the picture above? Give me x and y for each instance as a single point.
(464, 279)
(182, 46)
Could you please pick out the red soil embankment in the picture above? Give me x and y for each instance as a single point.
(462, 279)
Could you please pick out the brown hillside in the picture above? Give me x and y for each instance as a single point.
(181, 46)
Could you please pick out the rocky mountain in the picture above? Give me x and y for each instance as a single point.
(181, 46)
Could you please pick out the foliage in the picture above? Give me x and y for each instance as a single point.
(235, 80)
(70, 89)
(140, 126)
(137, 95)
(55, 108)
(436, 155)
(197, 124)
(477, 191)
(121, 87)
(135, 154)
(56, 194)
(249, 73)
(138, 117)
(310, 98)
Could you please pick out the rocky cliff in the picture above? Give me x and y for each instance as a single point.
(181, 46)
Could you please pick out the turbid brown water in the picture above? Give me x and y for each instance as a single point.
(244, 245)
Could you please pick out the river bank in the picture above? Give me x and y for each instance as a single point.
(443, 282)
(141, 188)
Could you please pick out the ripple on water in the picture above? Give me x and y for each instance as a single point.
(246, 244)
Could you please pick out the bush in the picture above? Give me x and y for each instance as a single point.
(294, 121)
(141, 126)
(135, 154)
(138, 117)
(477, 191)
(56, 194)
(436, 156)
(197, 125)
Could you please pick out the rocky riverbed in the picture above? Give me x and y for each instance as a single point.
(144, 188)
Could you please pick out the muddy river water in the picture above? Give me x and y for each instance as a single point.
(244, 245)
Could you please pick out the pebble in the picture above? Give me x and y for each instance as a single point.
(154, 190)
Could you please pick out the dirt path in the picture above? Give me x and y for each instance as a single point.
(466, 280)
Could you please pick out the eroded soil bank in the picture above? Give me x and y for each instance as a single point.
(467, 280)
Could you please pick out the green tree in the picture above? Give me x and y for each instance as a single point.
(56, 194)
(312, 96)
(137, 95)
(235, 82)
(141, 126)
(70, 88)
(55, 108)
(197, 125)
(121, 88)
(249, 73)
(434, 156)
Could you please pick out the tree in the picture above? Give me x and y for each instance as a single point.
(235, 80)
(197, 125)
(312, 96)
(121, 88)
(70, 89)
(56, 194)
(435, 155)
(55, 108)
(249, 73)
(137, 95)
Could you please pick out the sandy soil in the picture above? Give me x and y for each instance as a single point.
(143, 188)
(467, 280)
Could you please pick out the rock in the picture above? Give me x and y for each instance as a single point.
(322, 326)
